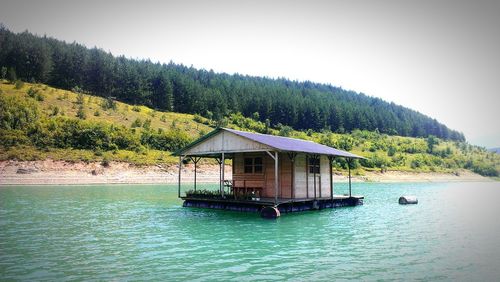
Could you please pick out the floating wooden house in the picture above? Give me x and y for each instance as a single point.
(270, 174)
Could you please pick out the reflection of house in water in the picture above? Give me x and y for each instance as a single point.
(283, 173)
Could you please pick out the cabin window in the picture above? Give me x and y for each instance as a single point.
(253, 165)
(314, 165)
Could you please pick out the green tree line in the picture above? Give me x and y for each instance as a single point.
(175, 87)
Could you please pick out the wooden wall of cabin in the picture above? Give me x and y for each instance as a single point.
(285, 168)
(301, 189)
(325, 176)
(304, 181)
(266, 178)
(242, 179)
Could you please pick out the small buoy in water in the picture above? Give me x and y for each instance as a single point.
(270, 212)
(407, 200)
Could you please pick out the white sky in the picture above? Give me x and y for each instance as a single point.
(439, 57)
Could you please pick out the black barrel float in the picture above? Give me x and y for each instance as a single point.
(407, 200)
(270, 212)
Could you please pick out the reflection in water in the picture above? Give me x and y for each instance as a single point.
(142, 232)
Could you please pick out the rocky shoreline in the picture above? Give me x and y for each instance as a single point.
(49, 172)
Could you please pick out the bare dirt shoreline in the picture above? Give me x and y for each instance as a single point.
(51, 172)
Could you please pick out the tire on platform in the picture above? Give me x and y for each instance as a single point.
(270, 212)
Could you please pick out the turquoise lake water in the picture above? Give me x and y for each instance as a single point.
(141, 232)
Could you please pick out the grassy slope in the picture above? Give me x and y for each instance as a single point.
(409, 154)
(66, 101)
(123, 115)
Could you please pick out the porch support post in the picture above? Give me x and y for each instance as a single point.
(179, 182)
(307, 176)
(220, 171)
(292, 159)
(222, 180)
(320, 178)
(330, 161)
(195, 161)
(276, 187)
(349, 166)
(315, 158)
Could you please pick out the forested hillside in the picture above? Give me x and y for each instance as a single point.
(495, 150)
(38, 122)
(174, 87)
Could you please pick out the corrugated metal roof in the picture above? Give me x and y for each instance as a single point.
(292, 144)
(280, 143)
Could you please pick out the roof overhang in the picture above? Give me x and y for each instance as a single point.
(263, 143)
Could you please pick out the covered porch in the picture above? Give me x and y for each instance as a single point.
(249, 189)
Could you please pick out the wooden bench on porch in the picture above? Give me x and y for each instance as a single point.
(245, 189)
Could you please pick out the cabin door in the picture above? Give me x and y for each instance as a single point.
(314, 171)
(311, 185)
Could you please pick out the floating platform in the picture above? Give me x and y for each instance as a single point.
(283, 205)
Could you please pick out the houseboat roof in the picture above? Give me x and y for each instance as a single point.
(279, 143)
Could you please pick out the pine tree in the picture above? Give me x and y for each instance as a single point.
(3, 73)
(12, 76)
(81, 113)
